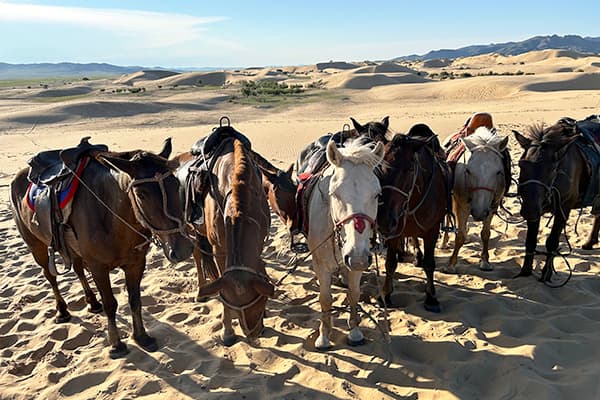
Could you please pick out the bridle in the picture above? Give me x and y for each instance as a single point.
(143, 219)
(241, 309)
(486, 188)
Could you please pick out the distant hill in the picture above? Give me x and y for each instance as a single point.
(48, 70)
(568, 42)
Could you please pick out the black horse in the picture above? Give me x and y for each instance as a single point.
(559, 171)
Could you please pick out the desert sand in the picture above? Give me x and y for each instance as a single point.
(496, 337)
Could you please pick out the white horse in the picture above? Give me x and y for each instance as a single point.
(342, 213)
(479, 186)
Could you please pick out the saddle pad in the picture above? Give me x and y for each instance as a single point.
(306, 184)
(65, 196)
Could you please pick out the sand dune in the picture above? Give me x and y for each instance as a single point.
(336, 65)
(385, 67)
(496, 337)
(71, 91)
(147, 75)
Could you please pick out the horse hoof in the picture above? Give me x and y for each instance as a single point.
(120, 350)
(202, 299)
(95, 308)
(147, 343)
(385, 302)
(434, 308)
(229, 341)
(486, 266)
(323, 344)
(588, 246)
(61, 319)
(354, 343)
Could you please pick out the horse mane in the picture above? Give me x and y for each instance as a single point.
(554, 135)
(241, 183)
(358, 151)
(485, 137)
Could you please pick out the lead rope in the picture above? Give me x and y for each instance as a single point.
(385, 332)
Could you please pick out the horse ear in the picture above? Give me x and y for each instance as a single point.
(167, 148)
(333, 154)
(211, 289)
(468, 143)
(263, 287)
(523, 141)
(290, 171)
(119, 164)
(386, 122)
(502, 144)
(357, 126)
(379, 150)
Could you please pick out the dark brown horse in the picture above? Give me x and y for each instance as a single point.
(236, 223)
(555, 177)
(280, 189)
(413, 202)
(127, 199)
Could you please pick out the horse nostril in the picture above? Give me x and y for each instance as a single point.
(370, 259)
(347, 260)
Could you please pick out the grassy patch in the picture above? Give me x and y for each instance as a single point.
(36, 83)
(271, 100)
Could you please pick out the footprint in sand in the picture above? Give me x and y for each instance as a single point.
(177, 318)
(7, 326)
(29, 314)
(60, 360)
(26, 326)
(81, 339)
(83, 382)
(8, 341)
(22, 368)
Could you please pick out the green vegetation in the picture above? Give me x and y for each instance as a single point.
(266, 89)
(272, 94)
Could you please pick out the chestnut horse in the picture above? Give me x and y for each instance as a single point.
(555, 178)
(342, 210)
(236, 223)
(128, 200)
(414, 183)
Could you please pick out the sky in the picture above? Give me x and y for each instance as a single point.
(231, 33)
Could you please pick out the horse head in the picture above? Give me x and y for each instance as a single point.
(280, 189)
(399, 177)
(154, 194)
(543, 150)
(354, 190)
(484, 171)
(373, 130)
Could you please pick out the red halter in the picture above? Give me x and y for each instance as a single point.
(359, 221)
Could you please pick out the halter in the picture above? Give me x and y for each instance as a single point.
(241, 309)
(143, 219)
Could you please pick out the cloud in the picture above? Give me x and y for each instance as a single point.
(152, 29)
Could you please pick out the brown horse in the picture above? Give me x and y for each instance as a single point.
(555, 177)
(280, 189)
(236, 223)
(127, 199)
(413, 202)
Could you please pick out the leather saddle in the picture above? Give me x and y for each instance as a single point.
(50, 173)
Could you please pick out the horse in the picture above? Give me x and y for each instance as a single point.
(342, 210)
(280, 189)
(414, 183)
(312, 157)
(236, 224)
(130, 199)
(555, 177)
(479, 186)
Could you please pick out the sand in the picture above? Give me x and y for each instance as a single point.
(496, 337)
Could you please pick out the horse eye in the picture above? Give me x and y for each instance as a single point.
(499, 172)
(468, 171)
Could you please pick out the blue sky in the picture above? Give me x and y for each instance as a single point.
(256, 33)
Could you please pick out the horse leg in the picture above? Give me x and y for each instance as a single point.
(552, 247)
(462, 216)
(324, 277)
(133, 279)
(428, 264)
(593, 238)
(355, 336)
(94, 306)
(530, 244)
(391, 263)
(102, 279)
(229, 336)
(485, 243)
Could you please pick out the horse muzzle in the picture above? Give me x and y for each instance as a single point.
(178, 250)
(358, 263)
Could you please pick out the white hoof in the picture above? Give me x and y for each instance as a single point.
(486, 266)
(322, 343)
(356, 337)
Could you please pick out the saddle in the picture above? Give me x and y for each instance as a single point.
(589, 146)
(313, 159)
(51, 191)
(306, 184)
(198, 180)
